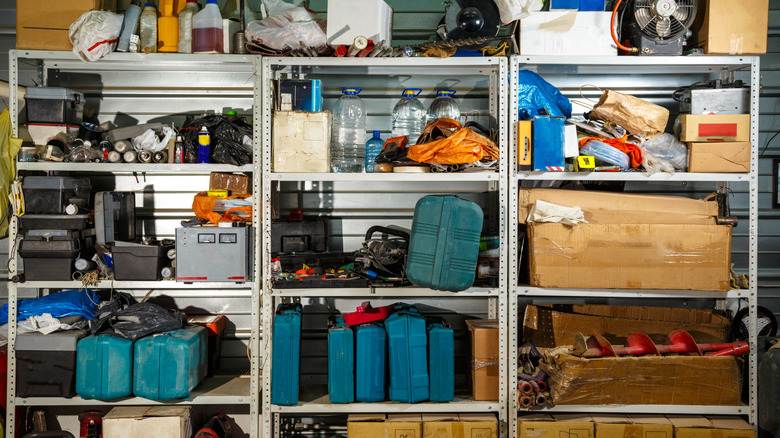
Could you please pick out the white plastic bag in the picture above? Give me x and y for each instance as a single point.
(511, 10)
(95, 34)
(666, 147)
(286, 29)
(148, 141)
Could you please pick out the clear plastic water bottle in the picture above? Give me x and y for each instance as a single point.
(373, 148)
(409, 115)
(348, 133)
(444, 106)
(129, 23)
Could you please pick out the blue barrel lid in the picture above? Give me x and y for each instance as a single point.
(351, 91)
(445, 92)
(149, 4)
(411, 92)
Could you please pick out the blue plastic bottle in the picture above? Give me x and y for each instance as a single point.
(204, 146)
(373, 148)
(129, 24)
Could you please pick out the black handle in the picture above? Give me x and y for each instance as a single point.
(386, 230)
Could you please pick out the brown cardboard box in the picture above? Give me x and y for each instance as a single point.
(301, 142)
(479, 425)
(623, 208)
(164, 421)
(639, 426)
(641, 380)
(715, 127)
(441, 426)
(402, 426)
(484, 358)
(727, 29)
(366, 425)
(549, 326)
(235, 183)
(560, 425)
(691, 426)
(617, 256)
(43, 24)
(719, 157)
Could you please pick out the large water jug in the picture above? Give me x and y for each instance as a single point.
(185, 26)
(373, 148)
(147, 27)
(348, 133)
(409, 115)
(129, 24)
(444, 106)
(167, 27)
(207, 30)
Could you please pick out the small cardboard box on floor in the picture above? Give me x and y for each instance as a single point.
(693, 426)
(553, 326)
(643, 380)
(719, 157)
(155, 421)
(633, 426)
(555, 426)
(484, 358)
(629, 242)
(44, 24)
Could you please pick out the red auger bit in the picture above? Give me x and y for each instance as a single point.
(639, 344)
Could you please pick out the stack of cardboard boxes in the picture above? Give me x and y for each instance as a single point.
(426, 425)
(634, 426)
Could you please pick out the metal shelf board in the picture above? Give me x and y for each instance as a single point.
(108, 284)
(633, 64)
(120, 168)
(527, 291)
(384, 292)
(403, 62)
(630, 176)
(117, 61)
(387, 176)
(323, 406)
(642, 409)
(219, 390)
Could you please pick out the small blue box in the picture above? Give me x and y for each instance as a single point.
(548, 144)
(592, 5)
(564, 4)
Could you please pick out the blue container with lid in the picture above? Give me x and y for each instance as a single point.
(371, 363)
(170, 365)
(286, 350)
(104, 367)
(408, 351)
(341, 362)
(441, 360)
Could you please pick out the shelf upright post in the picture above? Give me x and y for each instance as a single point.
(512, 240)
(255, 413)
(755, 85)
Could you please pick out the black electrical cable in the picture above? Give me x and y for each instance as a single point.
(767, 144)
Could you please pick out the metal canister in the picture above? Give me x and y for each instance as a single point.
(114, 157)
(145, 156)
(122, 146)
(160, 157)
(130, 157)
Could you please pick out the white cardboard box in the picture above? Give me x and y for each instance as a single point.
(347, 19)
(301, 142)
(155, 421)
(572, 33)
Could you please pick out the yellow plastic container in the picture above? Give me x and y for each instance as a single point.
(168, 27)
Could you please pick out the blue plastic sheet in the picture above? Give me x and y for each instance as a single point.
(537, 97)
(66, 303)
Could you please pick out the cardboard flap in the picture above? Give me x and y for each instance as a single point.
(477, 417)
(430, 418)
(127, 412)
(730, 423)
(689, 421)
(404, 418)
(168, 411)
(354, 418)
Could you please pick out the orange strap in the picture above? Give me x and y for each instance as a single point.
(630, 149)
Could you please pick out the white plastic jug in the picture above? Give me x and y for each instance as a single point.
(207, 30)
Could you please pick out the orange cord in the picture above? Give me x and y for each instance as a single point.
(612, 31)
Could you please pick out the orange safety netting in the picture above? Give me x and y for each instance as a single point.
(630, 149)
(462, 146)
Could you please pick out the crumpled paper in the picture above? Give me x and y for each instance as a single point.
(543, 211)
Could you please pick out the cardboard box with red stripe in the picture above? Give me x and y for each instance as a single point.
(715, 127)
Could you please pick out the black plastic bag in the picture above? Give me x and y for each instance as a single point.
(126, 318)
(119, 301)
(227, 139)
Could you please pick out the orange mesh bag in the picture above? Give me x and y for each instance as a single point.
(203, 206)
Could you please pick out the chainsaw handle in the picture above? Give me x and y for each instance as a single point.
(391, 231)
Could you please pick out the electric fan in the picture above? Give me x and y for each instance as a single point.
(658, 27)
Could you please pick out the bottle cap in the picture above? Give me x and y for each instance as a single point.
(412, 92)
(351, 91)
(377, 134)
(211, 2)
(230, 113)
(445, 92)
(149, 4)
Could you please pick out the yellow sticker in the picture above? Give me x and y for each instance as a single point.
(586, 162)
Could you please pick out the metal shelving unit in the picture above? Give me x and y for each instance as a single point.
(719, 66)
(494, 69)
(217, 390)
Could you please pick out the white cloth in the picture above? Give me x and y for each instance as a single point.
(548, 212)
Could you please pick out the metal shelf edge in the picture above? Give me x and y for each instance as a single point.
(380, 176)
(133, 167)
(455, 406)
(631, 176)
(644, 409)
(384, 292)
(524, 291)
(107, 284)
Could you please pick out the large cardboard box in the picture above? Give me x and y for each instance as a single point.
(441, 425)
(630, 256)
(723, 27)
(43, 24)
(719, 157)
(460, 426)
(484, 358)
(479, 425)
(348, 19)
(553, 326)
(691, 426)
(623, 208)
(573, 33)
(362, 425)
(301, 142)
(633, 426)
(715, 127)
(644, 380)
(156, 421)
(402, 426)
(560, 425)
(235, 183)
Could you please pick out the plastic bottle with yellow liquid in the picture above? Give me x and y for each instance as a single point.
(167, 27)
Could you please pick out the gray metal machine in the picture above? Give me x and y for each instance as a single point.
(214, 254)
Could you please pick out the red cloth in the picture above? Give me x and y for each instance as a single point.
(630, 149)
